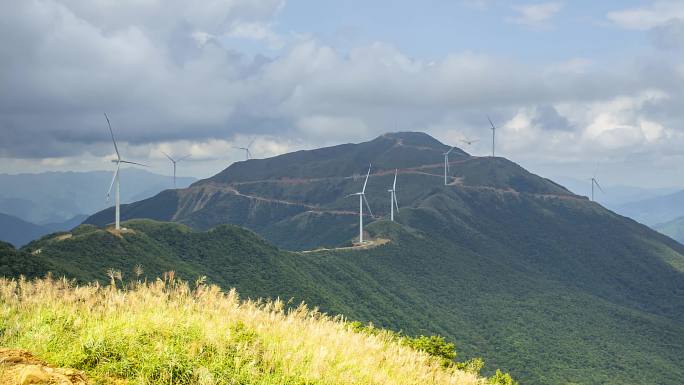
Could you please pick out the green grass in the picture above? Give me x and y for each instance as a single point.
(165, 332)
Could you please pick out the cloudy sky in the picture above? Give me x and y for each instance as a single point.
(573, 85)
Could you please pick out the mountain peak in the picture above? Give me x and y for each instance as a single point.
(414, 138)
(386, 152)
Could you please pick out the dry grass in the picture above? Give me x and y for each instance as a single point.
(166, 332)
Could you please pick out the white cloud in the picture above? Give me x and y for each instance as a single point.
(173, 84)
(574, 66)
(331, 127)
(536, 15)
(256, 31)
(644, 18)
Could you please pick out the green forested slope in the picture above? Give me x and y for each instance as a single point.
(515, 315)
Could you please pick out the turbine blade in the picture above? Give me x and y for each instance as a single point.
(251, 143)
(116, 172)
(448, 152)
(394, 185)
(112, 134)
(366, 182)
(598, 185)
(367, 205)
(492, 123)
(183, 158)
(137, 164)
(168, 156)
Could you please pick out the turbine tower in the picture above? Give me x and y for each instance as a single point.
(116, 179)
(362, 199)
(594, 182)
(175, 161)
(248, 154)
(493, 135)
(393, 197)
(446, 164)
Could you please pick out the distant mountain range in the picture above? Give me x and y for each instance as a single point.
(51, 197)
(659, 208)
(509, 265)
(656, 210)
(614, 196)
(673, 229)
(18, 232)
(32, 205)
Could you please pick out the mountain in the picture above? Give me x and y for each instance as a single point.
(655, 210)
(19, 232)
(511, 266)
(307, 190)
(55, 197)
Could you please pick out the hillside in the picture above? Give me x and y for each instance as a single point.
(509, 265)
(422, 285)
(166, 332)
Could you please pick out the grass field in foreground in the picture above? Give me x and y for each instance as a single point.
(166, 332)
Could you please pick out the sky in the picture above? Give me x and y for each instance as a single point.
(574, 87)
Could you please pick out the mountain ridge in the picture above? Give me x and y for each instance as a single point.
(510, 265)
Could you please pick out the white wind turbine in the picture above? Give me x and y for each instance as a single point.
(594, 182)
(446, 164)
(248, 154)
(362, 199)
(493, 135)
(115, 178)
(393, 197)
(175, 161)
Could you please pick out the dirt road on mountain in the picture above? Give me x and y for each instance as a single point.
(233, 187)
(369, 244)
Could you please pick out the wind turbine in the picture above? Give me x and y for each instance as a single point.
(115, 178)
(446, 164)
(493, 135)
(594, 182)
(362, 198)
(393, 196)
(248, 154)
(174, 161)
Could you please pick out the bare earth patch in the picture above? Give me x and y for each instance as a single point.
(63, 237)
(19, 367)
(372, 243)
